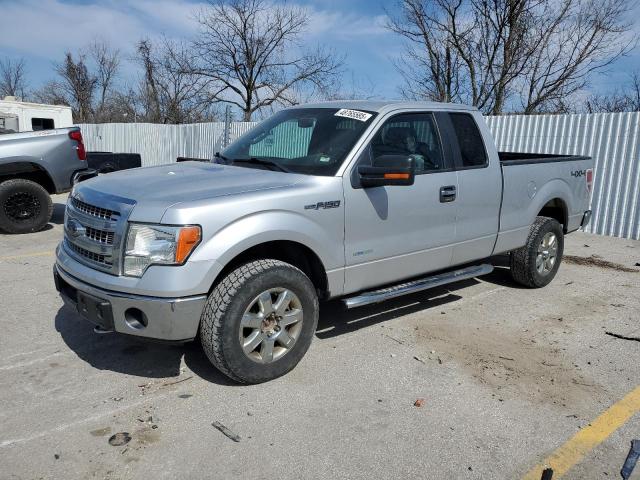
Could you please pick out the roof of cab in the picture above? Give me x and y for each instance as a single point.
(381, 106)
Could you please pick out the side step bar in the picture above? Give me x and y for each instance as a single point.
(376, 296)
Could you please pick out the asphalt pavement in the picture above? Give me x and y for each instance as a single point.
(483, 379)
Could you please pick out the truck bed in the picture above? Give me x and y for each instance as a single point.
(533, 181)
(518, 158)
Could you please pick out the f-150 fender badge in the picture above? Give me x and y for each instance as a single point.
(323, 205)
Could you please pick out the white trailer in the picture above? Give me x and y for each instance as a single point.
(17, 116)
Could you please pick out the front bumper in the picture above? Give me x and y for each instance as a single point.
(172, 319)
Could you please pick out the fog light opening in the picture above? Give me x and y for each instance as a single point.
(135, 318)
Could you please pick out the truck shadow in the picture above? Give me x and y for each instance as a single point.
(336, 320)
(147, 359)
(130, 355)
(501, 275)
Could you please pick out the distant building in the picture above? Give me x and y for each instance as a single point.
(17, 116)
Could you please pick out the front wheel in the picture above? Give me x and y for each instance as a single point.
(537, 263)
(259, 321)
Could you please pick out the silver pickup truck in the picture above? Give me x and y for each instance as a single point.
(359, 200)
(34, 165)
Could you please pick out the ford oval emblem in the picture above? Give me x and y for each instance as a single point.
(75, 228)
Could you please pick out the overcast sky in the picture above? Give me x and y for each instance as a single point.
(41, 30)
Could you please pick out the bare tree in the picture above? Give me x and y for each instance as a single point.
(13, 78)
(76, 87)
(494, 53)
(575, 38)
(169, 92)
(249, 50)
(625, 100)
(149, 90)
(459, 50)
(430, 65)
(107, 64)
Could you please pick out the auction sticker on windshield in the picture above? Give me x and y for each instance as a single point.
(355, 114)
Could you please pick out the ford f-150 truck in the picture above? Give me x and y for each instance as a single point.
(360, 200)
(32, 166)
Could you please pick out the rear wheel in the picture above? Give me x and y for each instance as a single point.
(259, 321)
(25, 206)
(537, 263)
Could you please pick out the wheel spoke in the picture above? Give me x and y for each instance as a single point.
(265, 302)
(251, 320)
(266, 352)
(291, 317)
(283, 301)
(252, 341)
(284, 338)
(539, 263)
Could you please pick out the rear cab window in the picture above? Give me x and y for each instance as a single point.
(469, 141)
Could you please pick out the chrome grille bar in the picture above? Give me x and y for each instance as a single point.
(95, 224)
(93, 210)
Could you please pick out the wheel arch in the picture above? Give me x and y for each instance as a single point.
(288, 251)
(557, 209)
(28, 171)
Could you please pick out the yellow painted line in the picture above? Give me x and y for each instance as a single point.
(27, 255)
(589, 437)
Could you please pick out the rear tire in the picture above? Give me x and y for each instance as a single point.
(25, 206)
(537, 263)
(259, 321)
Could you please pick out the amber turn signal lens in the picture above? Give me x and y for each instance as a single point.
(188, 238)
(396, 176)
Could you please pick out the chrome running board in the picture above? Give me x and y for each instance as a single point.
(376, 296)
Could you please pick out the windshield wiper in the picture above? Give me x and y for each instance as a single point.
(260, 161)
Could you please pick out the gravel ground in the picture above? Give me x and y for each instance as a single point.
(506, 374)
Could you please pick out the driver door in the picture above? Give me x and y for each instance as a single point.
(397, 232)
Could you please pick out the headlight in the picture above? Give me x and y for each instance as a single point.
(158, 245)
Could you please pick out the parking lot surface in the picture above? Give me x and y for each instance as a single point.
(506, 377)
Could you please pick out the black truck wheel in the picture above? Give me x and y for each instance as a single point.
(259, 321)
(25, 206)
(535, 264)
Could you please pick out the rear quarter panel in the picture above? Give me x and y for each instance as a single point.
(528, 187)
(52, 150)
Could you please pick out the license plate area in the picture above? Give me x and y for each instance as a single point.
(96, 310)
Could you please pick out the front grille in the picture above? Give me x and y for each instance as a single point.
(93, 210)
(94, 257)
(99, 235)
(94, 227)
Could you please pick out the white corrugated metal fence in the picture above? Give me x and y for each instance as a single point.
(612, 139)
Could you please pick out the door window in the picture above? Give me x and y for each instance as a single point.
(413, 135)
(472, 151)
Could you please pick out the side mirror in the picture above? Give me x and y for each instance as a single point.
(396, 170)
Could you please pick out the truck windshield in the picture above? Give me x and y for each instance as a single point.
(313, 141)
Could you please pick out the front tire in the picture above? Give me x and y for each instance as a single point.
(537, 263)
(259, 321)
(25, 206)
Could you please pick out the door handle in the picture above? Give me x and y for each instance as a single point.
(447, 193)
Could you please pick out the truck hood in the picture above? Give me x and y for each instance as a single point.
(155, 189)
